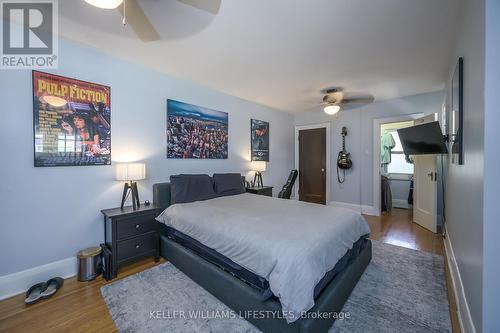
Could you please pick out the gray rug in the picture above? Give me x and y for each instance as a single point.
(402, 290)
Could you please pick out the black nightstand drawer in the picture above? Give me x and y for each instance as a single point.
(135, 225)
(137, 246)
(266, 190)
(131, 234)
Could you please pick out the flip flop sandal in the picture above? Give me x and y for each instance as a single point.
(53, 285)
(33, 294)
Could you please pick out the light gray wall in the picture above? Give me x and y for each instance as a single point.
(358, 187)
(491, 228)
(400, 188)
(464, 183)
(48, 214)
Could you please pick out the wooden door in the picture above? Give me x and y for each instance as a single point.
(425, 191)
(425, 185)
(312, 165)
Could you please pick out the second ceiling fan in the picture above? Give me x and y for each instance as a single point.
(134, 16)
(337, 99)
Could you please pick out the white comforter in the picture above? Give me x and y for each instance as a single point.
(290, 243)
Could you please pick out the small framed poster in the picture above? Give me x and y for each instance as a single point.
(259, 140)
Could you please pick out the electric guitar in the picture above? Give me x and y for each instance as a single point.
(344, 158)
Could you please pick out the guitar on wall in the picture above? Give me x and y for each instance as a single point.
(343, 159)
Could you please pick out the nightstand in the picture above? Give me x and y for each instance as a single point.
(265, 190)
(131, 234)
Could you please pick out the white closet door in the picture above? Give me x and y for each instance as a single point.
(425, 192)
(425, 185)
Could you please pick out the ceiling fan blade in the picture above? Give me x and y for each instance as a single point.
(211, 6)
(359, 99)
(138, 21)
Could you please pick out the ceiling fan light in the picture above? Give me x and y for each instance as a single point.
(331, 109)
(105, 4)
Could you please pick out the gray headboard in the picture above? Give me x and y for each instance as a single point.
(161, 194)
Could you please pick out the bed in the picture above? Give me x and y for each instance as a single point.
(255, 279)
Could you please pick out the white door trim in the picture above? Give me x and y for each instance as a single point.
(328, 157)
(376, 152)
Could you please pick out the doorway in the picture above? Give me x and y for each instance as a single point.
(405, 182)
(312, 160)
(377, 158)
(396, 170)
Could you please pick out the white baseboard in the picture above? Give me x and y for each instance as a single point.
(463, 313)
(19, 282)
(362, 209)
(370, 210)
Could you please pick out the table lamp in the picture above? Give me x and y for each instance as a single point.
(130, 172)
(258, 167)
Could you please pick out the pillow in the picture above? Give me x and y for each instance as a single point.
(228, 184)
(189, 188)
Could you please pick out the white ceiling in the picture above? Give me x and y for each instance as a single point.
(281, 53)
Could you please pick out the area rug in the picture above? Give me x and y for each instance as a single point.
(402, 290)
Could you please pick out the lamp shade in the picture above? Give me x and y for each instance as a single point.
(130, 171)
(105, 4)
(331, 109)
(259, 166)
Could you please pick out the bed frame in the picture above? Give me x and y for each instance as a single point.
(243, 298)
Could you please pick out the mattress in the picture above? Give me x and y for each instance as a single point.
(257, 282)
(292, 244)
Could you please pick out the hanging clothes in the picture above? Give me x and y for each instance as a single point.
(385, 194)
(410, 195)
(387, 143)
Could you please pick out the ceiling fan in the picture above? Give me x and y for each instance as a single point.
(336, 99)
(134, 16)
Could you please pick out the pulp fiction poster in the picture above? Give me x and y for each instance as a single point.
(71, 120)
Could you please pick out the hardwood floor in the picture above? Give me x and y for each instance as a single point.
(396, 228)
(79, 307)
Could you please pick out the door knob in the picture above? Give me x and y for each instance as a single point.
(322, 170)
(431, 174)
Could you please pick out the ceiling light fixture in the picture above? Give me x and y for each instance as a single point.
(331, 109)
(105, 4)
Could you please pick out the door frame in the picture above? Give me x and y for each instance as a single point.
(328, 156)
(376, 152)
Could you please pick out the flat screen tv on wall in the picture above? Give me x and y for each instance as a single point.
(423, 139)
